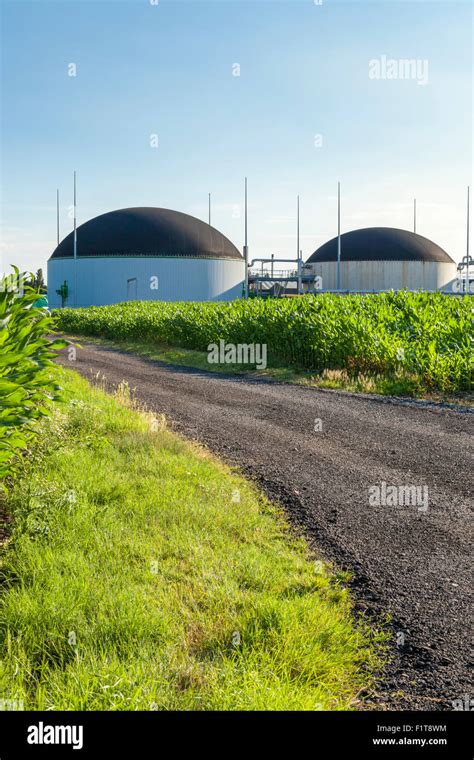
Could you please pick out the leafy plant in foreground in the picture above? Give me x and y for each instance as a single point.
(26, 355)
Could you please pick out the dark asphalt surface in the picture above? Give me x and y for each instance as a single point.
(412, 564)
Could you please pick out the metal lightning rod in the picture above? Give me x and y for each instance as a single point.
(246, 250)
(297, 227)
(467, 244)
(338, 283)
(57, 215)
(75, 244)
(298, 253)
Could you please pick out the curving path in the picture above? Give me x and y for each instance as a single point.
(412, 561)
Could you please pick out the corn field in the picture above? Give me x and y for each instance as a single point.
(425, 335)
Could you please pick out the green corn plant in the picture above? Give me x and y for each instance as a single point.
(26, 355)
(425, 335)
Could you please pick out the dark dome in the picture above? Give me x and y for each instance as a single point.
(381, 244)
(147, 232)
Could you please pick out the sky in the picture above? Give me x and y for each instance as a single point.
(160, 102)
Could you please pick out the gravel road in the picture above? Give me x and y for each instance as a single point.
(325, 456)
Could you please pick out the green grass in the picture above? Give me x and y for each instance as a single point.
(141, 573)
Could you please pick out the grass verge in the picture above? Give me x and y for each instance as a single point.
(141, 573)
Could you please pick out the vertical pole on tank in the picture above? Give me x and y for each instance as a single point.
(338, 281)
(209, 209)
(414, 215)
(467, 244)
(75, 244)
(298, 252)
(57, 216)
(246, 250)
(297, 226)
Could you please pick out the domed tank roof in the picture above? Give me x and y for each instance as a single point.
(381, 244)
(147, 231)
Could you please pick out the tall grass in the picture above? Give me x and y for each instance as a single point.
(425, 335)
(143, 574)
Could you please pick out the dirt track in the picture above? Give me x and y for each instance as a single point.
(411, 563)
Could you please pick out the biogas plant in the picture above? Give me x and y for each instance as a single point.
(158, 254)
(144, 254)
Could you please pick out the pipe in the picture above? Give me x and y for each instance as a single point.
(292, 261)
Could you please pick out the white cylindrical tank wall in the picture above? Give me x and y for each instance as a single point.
(112, 279)
(384, 275)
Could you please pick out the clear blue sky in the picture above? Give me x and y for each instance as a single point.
(167, 69)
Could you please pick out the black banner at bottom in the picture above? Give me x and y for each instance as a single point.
(138, 734)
